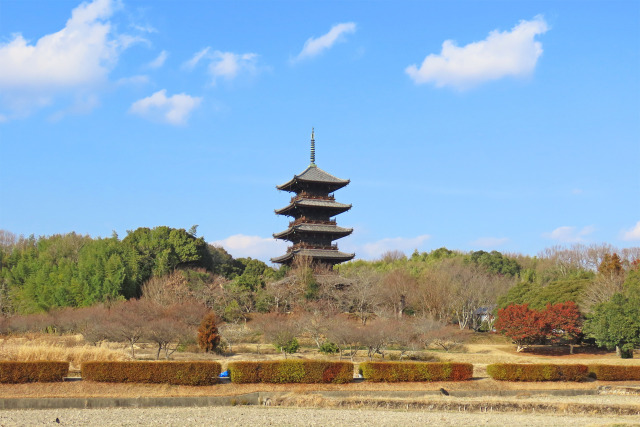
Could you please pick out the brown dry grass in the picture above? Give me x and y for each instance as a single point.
(71, 348)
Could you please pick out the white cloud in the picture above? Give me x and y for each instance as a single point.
(501, 54)
(190, 64)
(139, 79)
(229, 64)
(174, 110)
(159, 61)
(568, 234)
(490, 242)
(376, 249)
(315, 46)
(262, 248)
(78, 57)
(632, 234)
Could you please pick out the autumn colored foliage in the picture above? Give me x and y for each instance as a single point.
(208, 336)
(177, 373)
(556, 323)
(415, 371)
(537, 372)
(615, 372)
(291, 371)
(27, 372)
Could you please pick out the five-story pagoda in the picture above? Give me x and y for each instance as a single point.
(313, 207)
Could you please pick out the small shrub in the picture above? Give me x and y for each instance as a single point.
(288, 347)
(415, 371)
(208, 336)
(329, 348)
(615, 372)
(27, 372)
(537, 372)
(291, 371)
(177, 373)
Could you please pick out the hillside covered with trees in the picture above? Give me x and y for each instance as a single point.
(423, 293)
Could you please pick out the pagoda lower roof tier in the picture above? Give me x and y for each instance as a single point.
(331, 256)
(330, 206)
(330, 229)
(315, 176)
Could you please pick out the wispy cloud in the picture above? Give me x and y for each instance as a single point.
(632, 234)
(78, 57)
(226, 65)
(501, 54)
(489, 242)
(567, 234)
(190, 64)
(315, 46)
(262, 248)
(139, 79)
(375, 249)
(173, 110)
(159, 61)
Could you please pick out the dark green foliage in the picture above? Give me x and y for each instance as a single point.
(415, 371)
(176, 373)
(537, 372)
(291, 371)
(288, 347)
(28, 372)
(495, 262)
(328, 348)
(70, 270)
(616, 323)
(539, 296)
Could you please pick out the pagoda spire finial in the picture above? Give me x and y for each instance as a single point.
(313, 148)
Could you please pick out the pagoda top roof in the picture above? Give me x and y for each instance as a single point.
(315, 203)
(315, 228)
(330, 255)
(314, 174)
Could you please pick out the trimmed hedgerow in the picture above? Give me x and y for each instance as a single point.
(28, 372)
(537, 372)
(415, 371)
(615, 372)
(177, 373)
(291, 371)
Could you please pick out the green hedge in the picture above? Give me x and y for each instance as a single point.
(537, 372)
(291, 371)
(28, 372)
(177, 373)
(415, 371)
(615, 372)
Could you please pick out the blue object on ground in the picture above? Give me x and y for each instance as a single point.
(225, 374)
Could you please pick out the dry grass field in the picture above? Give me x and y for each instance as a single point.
(480, 351)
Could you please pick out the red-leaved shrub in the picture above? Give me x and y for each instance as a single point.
(537, 372)
(415, 371)
(27, 372)
(615, 372)
(291, 371)
(177, 373)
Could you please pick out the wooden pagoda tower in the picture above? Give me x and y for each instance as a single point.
(312, 208)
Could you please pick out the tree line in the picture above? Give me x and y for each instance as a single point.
(441, 287)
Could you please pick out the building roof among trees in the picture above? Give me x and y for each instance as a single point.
(328, 255)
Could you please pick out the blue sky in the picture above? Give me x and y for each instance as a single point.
(511, 126)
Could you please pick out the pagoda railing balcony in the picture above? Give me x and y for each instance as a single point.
(309, 246)
(305, 195)
(305, 220)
